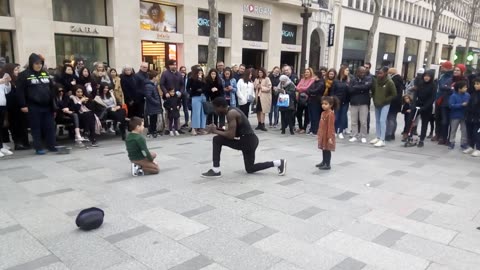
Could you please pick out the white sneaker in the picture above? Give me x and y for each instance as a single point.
(364, 140)
(6, 152)
(111, 130)
(176, 133)
(340, 136)
(6, 146)
(1, 155)
(353, 139)
(172, 133)
(134, 168)
(469, 150)
(379, 143)
(476, 153)
(374, 141)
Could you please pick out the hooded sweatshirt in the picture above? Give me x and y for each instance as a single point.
(35, 88)
(383, 91)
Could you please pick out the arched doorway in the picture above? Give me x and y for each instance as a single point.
(315, 49)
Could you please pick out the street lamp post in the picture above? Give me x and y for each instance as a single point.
(451, 40)
(305, 15)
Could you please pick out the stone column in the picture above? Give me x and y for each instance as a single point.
(399, 55)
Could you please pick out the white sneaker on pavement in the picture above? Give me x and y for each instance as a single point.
(364, 140)
(1, 155)
(6, 152)
(172, 133)
(374, 141)
(469, 150)
(379, 143)
(176, 133)
(340, 136)
(476, 153)
(353, 139)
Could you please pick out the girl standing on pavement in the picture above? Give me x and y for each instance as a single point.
(326, 132)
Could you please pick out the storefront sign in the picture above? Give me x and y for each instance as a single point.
(331, 35)
(289, 34)
(258, 10)
(83, 29)
(203, 23)
(255, 44)
(163, 36)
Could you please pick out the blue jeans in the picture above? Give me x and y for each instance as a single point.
(273, 115)
(445, 123)
(199, 119)
(341, 118)
(381, 114)
(314, 112)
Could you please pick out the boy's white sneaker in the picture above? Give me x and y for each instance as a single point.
(6, 152)
(374, 141)
(1, 155)
(364, 140)
(340, 136)
(476, 153)
(469, 150)
(353, 139)
(176, 133)
(134, 167)
(172, 133)
(379, 143)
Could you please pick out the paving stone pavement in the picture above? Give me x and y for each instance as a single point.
(390, 208)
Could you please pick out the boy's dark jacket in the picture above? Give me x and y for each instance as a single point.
(472, 114)
(171, 105)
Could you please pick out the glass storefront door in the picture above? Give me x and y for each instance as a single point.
(253, 58)
(91, 49)
(289, 58)
(6, 46)
(156, 54)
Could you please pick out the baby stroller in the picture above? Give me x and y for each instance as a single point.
(411, 141)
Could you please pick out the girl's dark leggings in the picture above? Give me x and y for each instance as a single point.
(327, 156)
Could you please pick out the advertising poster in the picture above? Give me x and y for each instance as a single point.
(157, 17)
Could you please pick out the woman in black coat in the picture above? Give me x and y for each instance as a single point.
(213, 89)
(340, 90)
(315, 93)
(129, 87)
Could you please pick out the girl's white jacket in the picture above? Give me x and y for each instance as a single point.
(244, 91)
(4, 90)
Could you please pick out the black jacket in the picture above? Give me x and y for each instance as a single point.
(171, 80)
(275, 81)
(172, 105)
(396, 104)
(153, 103)
(129, 87)
(340, 89)
(472, 114)
(208, 89)
(425, 94)
(141, 78)
(360, 90)
(316, 91)
(35, 88)
(195, 87)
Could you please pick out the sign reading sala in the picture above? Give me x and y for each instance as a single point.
(83, 29)
(259, 10)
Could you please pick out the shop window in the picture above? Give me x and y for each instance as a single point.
(157, 17)
(354, 46)
(85, 11)
(91, 49)
(252, 29)
(203, 54)
(4, 8)
(6, 46)
(387, 47)
(289, 34)
(204, 24)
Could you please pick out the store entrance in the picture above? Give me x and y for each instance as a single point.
(156, 54)
(253, 58)
(289, 58)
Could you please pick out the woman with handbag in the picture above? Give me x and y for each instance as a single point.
(195, 87)
(302, 107)
(245, 91)
(286, 103)
(263, 97)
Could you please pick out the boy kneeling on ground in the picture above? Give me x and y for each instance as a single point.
(143, 162)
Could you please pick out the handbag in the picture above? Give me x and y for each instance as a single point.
(283, 101)
(207, 107)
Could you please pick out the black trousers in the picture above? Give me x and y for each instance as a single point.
(247, 144)
(42, 124)
(473, 132)
(18, 122)
(288, 119)
(87, 121)
(302, 123)
(327, 157)
(213, 118)
(245, 108)
(118, 116)
(152, 125)
(3, 111)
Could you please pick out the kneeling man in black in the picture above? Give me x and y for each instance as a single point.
(238, 136)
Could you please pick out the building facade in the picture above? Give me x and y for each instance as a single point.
(127, 32)
(403, 34)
